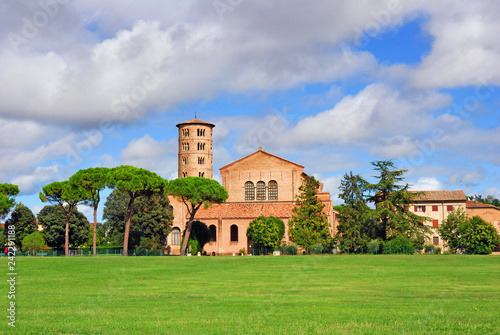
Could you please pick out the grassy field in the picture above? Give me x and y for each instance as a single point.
(256, 295)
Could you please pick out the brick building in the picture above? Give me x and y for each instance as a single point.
(437, 204)
(258, 184)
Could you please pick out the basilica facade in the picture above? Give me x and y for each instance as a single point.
(258, 184)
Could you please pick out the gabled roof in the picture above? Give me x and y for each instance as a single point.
(477, 204)
(195, 121)
(259, 152)
(457, 195)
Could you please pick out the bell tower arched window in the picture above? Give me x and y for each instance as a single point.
(261, 190)
(249, 191)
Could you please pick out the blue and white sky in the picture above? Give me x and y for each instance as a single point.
(331, 85)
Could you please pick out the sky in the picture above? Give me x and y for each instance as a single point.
(331, 85)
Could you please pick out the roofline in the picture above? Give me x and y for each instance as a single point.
(264, 152)
(195, 121)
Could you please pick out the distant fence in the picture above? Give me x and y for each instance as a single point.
(87, 253)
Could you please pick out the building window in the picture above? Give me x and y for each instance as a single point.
(184, 160)
(434, 208)
(176, 236)
(185, 132)
(435, 240)
(249, 191)
(213, 233)
(184, 174)
(185, 146)
(449, 208)
(273, 190)
(201, 146)
(234, 233)
(201, 174)
(201, 160)
(261, 190)
(201, 132)
(419, 208)
(435, 223)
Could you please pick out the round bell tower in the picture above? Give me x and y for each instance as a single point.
(195, 149)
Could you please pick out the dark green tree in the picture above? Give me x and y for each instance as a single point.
(34, 242)
(67, 196)
(92, 180)
(194, 192)
(451, 229)
(53, 220)
(392, 201)
(309, 225)
(7, 201)
(357, 224)
(266, 232)
(200, 235)
(469, 235)
(152, 218)
(24, 221)
(136, 182)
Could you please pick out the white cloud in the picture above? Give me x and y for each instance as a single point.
(33, 183)
(157, 156)
(427, 184)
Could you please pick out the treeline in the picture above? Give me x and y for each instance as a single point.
(137, 211)
(376, 217)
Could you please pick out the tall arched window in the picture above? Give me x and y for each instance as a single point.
(184, 174)
(261, 190)
(201, 160)
(184, 160)
(201, 146)
(213, 233)
(201, 174)
(273, 190)
(185, 146)
(234, 233)
(201, 132)
(176, 236)
(249, 191)
(186, 132)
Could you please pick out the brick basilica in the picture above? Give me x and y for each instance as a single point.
(258, 184)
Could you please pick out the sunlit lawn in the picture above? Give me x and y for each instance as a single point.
(256, 295)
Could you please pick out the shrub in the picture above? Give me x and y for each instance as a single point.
(429, 248)
(399, 245)
(316, 248)
(289, 249)
(374, 246)
(437, 250)
(242, 251)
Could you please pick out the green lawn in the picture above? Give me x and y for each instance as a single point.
(256, 295)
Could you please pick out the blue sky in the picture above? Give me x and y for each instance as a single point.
(330, 85)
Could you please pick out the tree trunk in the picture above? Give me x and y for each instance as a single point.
(95, 230)
(130, 212)
(66, 234)
(186, 237)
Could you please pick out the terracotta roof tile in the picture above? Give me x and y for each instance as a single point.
(457, 195)
(477, 204)
(196, 121)
(248, 210)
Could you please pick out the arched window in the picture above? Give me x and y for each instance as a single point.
(213, 233)
(184, 160)
(261, 190)
(201, 132)
(273, 190)
(176, 236)
(201, 146)
(184, 174)
(201, 160)
(249, 191)
(185, 132)
(201, 174)
(234, 233)
(185, 146)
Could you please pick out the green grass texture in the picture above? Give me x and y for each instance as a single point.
(324, 294)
